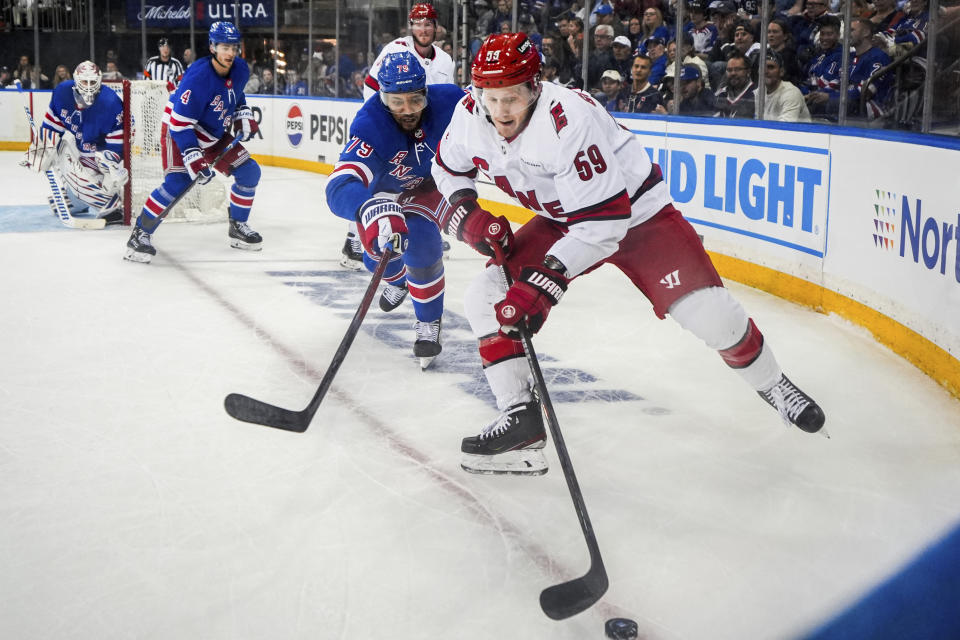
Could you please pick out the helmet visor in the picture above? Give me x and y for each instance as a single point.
(505, 102)
(404, 104)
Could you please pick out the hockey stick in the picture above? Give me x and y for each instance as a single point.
(59, 202)
(248, 409)
(574, 596)
(219, 157)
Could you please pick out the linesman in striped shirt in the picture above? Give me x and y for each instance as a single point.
(164, 67)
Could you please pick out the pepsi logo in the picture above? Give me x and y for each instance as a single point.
(294, 126)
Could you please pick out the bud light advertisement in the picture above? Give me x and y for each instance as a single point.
(176, 14)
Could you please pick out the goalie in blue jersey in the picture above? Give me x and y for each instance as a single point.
(81, 139)
(382, 181)
(196, 134)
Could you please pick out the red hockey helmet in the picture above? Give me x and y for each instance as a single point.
(505, 60)
(422, 12)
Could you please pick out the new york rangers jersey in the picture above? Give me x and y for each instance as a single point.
(382, 158)
(98, 127)
(824, 74)
(201, 110)
(438, 66)
(573, 164)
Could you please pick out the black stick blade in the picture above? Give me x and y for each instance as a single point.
(570, 598)
(249, 409)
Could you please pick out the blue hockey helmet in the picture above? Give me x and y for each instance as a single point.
(401, 72)
(224, 32)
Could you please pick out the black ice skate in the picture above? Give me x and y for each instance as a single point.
(352, 251)
(139, 248)
(446, 250)
(794, 406)
(112, 218)
(243, 237)
(511, 444)
(427, 346)
(392, 297)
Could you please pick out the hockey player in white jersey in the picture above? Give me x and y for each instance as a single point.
(81, 139)
(598, 200)
(438, 65)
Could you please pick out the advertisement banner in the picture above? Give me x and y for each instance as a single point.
(313, 130)
(176, 13)
(895, 234)
(766, 192)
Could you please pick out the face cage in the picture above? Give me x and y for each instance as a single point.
(384, 96)
(532, 85)
(86, 91)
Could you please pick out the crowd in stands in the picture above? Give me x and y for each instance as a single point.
(633, 46)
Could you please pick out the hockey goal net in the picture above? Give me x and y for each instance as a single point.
(143, 104)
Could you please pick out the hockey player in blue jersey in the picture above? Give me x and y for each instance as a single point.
(196, 129)
(81, 139)
(382, 181)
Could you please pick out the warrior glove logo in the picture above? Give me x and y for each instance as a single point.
(672, 279)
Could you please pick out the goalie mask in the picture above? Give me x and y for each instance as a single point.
(506, 78)
(403, 88)
(86, 87)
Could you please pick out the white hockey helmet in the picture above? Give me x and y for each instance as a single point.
(86, 79)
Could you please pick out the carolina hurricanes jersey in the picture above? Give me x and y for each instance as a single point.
(573, 163)
(439, 66)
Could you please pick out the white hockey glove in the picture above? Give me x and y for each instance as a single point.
(383, 223)
(42, 152)
(243, 123)
(197, 166)
(114, 174)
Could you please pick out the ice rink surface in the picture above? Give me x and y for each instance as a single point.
(133, 506)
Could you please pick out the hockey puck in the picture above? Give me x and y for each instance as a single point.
(621, 629)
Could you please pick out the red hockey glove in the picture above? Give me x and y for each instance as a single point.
(383, 223)
(479, 228)
(244, 125)
(529, 300)
(196, 166)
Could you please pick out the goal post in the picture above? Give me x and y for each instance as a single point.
(143, 105)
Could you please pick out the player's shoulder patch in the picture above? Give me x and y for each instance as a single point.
(558, 116)
(468, 103)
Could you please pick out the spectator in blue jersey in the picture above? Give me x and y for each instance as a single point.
(652, 26)
(81, 139)
(823, 76)
(805, 27)
(657, 50)
(382, 182)
(295, 84)
(704, 32)
(196, 134)
(868, 59)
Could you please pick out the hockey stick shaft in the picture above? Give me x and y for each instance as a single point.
(63, 213)
(233, 142)
(249, 409)
(574, 596)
